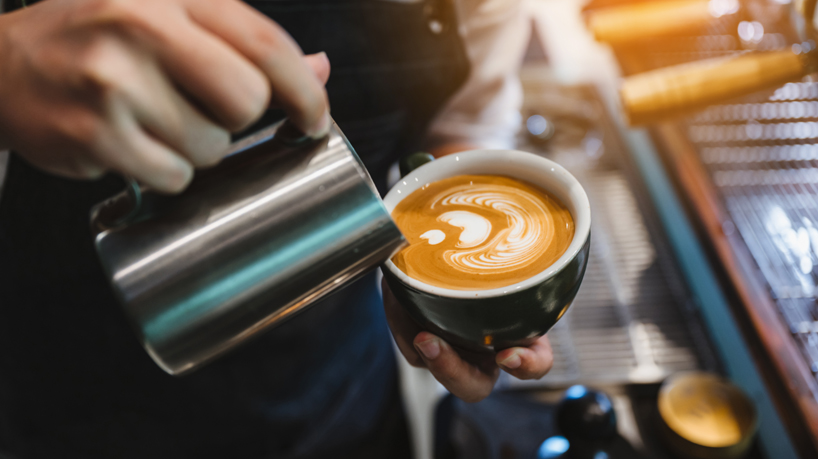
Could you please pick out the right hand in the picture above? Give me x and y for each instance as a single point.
(148, 88)
(469, 377)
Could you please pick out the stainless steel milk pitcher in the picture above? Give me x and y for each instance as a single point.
(280, 223)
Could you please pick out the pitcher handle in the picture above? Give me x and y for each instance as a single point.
(118, 210)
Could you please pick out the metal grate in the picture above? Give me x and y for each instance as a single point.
(762, 155)
(627, 323)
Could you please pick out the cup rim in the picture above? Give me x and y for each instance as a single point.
(557, 173)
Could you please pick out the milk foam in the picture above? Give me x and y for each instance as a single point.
(475, 228)
(434, 237)
(478, 232)
(510, 248)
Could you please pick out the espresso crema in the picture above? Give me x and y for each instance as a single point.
(478, 232)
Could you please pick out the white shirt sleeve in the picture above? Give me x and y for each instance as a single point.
(486, 111)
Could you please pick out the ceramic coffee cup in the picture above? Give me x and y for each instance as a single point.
(494, 319)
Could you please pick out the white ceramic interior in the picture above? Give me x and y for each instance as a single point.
(516, 164)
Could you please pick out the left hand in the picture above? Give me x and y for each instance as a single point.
(469, 377)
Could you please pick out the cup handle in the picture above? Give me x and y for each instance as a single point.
(411, 162)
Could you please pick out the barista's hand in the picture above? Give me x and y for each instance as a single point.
(466, 376)
(148, 88)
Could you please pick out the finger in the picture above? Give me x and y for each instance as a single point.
(319, 63)
(124, 74)
(170, 118)
(83, 169)
(403, 327)
(464, 380)
(126, 148)
(407, 348)
(531, 362)
(233, 90)
(295, 88)
(75, 166)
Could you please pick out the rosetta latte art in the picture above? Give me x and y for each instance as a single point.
(476, 232)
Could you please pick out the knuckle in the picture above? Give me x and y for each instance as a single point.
(251, 109)
(121, 9)
(98, 73)
(16, 36)
(117, 17)
(82, 130)
(271, 39)
(448, 375)
(154, 164)
(212, 153)
(122, 15)
(241, 105)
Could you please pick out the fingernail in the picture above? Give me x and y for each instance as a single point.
(429, 348)
(323, 55)
(511, 362)
(322, 128)
(179, 176)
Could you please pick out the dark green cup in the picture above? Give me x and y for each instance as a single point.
(494, 319)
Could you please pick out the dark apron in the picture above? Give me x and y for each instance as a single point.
(74, 382)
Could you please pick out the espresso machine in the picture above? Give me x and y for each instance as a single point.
(729, 98)
(700, 168)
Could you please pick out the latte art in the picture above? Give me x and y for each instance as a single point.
(476, 232)
(513, 247)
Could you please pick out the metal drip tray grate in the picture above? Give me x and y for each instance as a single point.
(763, 158)
(628, 323)
(625, 325)
(778, 228)
(762, 155)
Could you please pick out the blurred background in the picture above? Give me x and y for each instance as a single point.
(693, 126)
